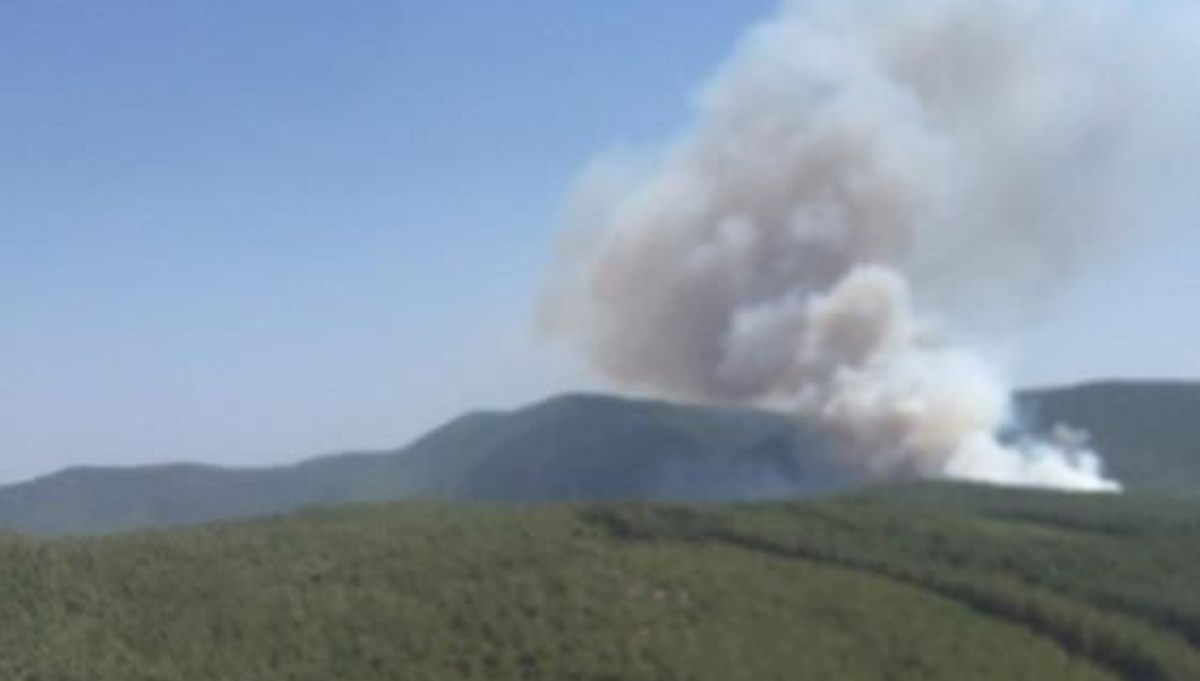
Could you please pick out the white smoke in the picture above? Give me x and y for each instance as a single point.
(866, 180)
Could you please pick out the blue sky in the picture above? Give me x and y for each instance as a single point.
(244, 232)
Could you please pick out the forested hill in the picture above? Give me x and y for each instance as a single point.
(582, 447)
(920, 583)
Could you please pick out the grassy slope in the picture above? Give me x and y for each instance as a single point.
(925, 582)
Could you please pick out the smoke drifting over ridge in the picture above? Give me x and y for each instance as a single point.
(864, 182)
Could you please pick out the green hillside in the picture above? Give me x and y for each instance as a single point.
(916, 583)
(585, 448)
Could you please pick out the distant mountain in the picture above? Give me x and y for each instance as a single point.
(1148, 432)
(583, 448)
(570, 448)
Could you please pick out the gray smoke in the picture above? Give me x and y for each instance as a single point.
(865, 183)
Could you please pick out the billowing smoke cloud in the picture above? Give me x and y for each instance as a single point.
(866, 182)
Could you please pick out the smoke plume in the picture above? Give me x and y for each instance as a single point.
(865, 184)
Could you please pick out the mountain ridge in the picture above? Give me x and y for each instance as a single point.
(584, 447)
